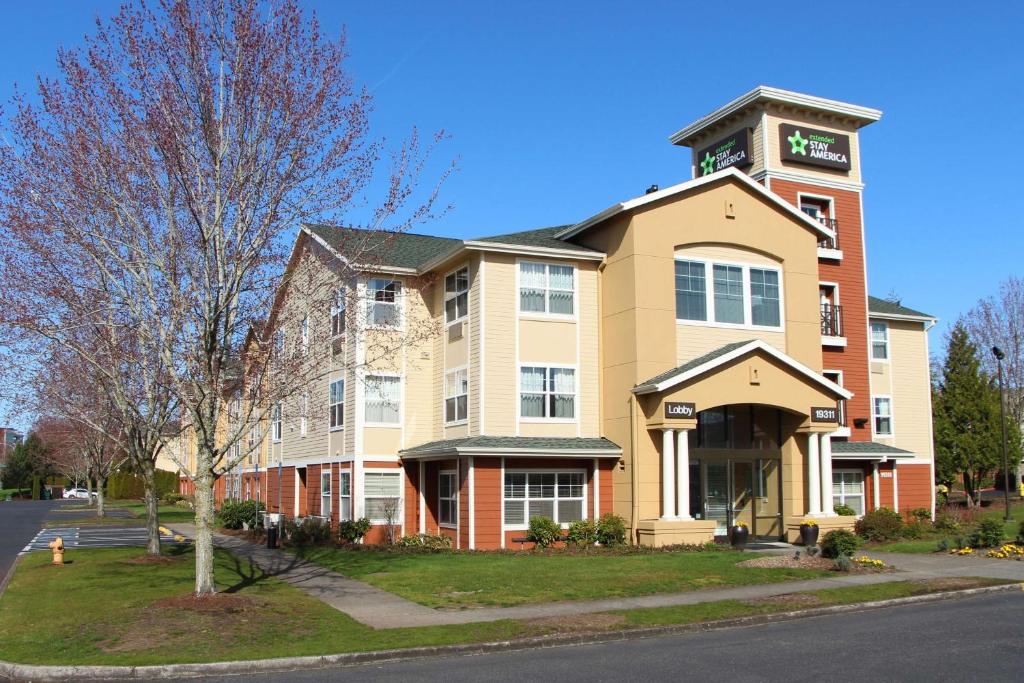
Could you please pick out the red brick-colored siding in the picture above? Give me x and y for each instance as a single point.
(849, 275)
(487, 500)
(313, 489)
(915, 486)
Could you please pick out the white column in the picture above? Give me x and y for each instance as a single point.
(597, 489)
(826, 475)
(895, 488)
(423, 496)
(813, 478)
(472, 503)
(683, 472)
(876, 495)
(668, 475)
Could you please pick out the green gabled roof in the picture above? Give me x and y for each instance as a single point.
(385, 248)
(542, 237)
(866, 448)
(515, 443)
(886, 307)
(690, 365)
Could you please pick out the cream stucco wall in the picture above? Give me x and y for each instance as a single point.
(905, 378)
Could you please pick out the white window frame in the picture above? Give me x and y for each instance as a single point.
(449, 396)
(709, 294)
(397, 304)
(874, 416)
(304, 334)
(840, 498)
(344, 500)
(338, 311)
(325, 498)
(526, 500)
(276, 422)
(454, 498)
(548, 420)
(303, 413)
(817, 198)
(449, 296)
(400, 521)
(546, 314)
(330, 405)
(886, 341)
(401, 401)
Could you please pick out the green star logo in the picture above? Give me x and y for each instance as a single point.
(708, 165)
(799, 143)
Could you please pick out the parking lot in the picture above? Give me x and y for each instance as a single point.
(91, 537)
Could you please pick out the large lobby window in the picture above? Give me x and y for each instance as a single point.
(739, 296)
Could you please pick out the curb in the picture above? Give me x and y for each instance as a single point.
(10, 574)
(12, 671)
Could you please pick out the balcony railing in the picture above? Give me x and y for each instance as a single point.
(831, 321)
(833, 225)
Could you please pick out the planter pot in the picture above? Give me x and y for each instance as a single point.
(738, 536)
(809, 535)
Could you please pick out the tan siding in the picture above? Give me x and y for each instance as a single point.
(911, 391)
(500, 361)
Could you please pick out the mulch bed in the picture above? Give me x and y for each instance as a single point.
(151, 559)
(807, 562)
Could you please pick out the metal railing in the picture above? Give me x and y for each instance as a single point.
(831, 321)
(833, 225)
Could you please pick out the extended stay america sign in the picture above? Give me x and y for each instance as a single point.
(814, 147)
(733, 150)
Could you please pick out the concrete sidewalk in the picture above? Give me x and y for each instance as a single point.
(380, 609)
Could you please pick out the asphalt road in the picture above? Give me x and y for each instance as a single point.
(19, 523)
(976, 638)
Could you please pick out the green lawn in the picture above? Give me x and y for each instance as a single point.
(103, 608)
(10, 492)
(506, 579)
(168, 513)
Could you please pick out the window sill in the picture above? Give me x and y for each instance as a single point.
(730, 326)
(832, 254)
(336, 429)
(548, 420)
(447, 526)
(385, 425)
(456, 321)
(838, 342)
(457, 423)
(557, 317)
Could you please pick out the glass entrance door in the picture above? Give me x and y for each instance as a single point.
(742, 491)
(742, 494)
(716, 495)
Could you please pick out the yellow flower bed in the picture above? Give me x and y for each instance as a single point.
(1007, 551)
(962, 551)
(866, 561)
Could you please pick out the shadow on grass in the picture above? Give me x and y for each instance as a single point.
(247, 572)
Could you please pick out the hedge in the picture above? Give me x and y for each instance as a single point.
(127, 485)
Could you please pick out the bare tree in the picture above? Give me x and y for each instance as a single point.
(162, 176)
(999, 321)
(391, 509)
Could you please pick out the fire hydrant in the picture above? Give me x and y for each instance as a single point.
(57, 546)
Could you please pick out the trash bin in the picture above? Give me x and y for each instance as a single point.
(272, 536)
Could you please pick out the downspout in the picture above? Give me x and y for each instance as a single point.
(634, 470)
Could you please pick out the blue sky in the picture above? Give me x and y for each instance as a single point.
(557, 110)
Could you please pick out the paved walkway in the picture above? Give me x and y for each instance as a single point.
(380, 609)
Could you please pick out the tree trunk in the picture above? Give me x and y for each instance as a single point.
(205, 584)
(101, 485)
(152, 513)
(88, 485)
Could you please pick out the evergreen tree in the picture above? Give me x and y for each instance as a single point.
(965, 408)
(26, 462)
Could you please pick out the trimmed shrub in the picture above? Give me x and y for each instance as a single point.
(310, 531)
(921, 514)
(171, 498)
(543, 531)
(128, 485)
(582, 532)
(236, 513)
(880, 525)
(844, 563)
(845, 510)
(989, 533)
(839, 543)
(611, 530)
(916, 529)
(352, 530)
(945, 521)
(188, 502)
(427, 542)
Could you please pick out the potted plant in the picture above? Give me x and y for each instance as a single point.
(809, 533)
(738, 534)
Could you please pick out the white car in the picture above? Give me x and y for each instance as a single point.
(77, 493)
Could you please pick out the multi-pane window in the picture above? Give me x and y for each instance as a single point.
(547, 392)
(456, 295)
(383, 399)
(338, 314)
(883, 415)
(691, 291)
(456, 395)
(728, 294)
(557, 495)
(325, 494)
(382, 305)
(275, 422)
(546, 288)
(337, 404)
(344, 495)
(253, 445)
(382, 491)
(303, 413)
(764, 297)
(739, 294)
(848, 489)
(879, 341)
(447, 499)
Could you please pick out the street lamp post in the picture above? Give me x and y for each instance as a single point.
(998, 353)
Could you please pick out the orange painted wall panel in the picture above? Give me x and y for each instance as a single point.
(915, 486)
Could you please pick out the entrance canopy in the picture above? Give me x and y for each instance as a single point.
(742, 372)
(515, 446)
(868, 450)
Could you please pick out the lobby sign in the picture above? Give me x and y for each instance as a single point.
(814, 147)
(826, 414)
(733, 150)
(679, 410)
